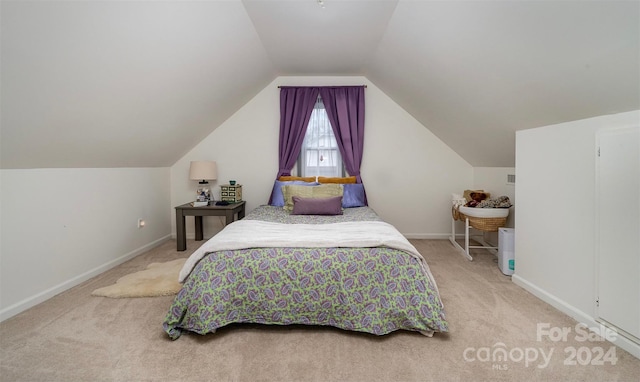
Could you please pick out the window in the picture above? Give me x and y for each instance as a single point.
(319, 155)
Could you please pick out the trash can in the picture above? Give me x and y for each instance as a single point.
(506, 250)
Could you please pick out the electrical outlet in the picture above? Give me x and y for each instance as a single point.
(141, 223)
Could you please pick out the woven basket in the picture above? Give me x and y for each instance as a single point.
(483, 224)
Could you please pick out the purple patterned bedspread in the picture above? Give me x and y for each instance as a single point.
(374, 290)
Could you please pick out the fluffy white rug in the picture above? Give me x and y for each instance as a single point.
(159, 279)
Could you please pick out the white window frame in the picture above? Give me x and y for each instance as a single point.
(320, 147)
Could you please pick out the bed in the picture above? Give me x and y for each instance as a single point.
(350, 271)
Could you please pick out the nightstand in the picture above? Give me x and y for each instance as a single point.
(229, 212)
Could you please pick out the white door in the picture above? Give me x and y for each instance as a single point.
(618, 215)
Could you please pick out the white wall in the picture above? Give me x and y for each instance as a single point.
(63, 226)
(555, 245)
(494, 180)
(409, 174)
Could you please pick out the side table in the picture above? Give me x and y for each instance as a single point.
(229, 212)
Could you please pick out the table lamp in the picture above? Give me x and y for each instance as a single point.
(203, 171)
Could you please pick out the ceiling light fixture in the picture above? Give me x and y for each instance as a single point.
(320, 3)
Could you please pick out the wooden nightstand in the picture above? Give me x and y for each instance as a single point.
(229, 212)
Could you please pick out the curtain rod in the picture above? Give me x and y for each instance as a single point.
(334, 86)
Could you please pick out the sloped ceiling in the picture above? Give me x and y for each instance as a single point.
(138, 84)
(122, 83)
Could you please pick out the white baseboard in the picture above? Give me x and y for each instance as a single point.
(27, 303)
(573, 312)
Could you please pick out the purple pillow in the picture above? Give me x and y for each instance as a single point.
(317, 206)
(278, 197)
(353, 195)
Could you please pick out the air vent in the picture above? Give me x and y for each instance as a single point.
(511, 179)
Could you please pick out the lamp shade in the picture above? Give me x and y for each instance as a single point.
(203, 170)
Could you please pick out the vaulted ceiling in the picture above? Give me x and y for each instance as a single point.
(138, 84)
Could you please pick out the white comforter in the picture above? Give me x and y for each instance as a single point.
(245, 234)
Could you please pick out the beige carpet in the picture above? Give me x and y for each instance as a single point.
(159, 279)
(77, 337)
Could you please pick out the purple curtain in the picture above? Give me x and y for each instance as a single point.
(296, 105)
(345, 109)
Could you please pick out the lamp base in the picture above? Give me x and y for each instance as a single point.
(203, 194)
